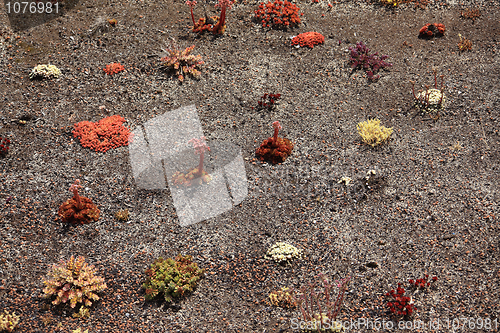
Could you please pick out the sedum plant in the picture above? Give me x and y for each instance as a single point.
(282, 252)
(283, 298)
(78, 210)
(275, 149)
(372, 133)
(8, 321)
(73, 281)
(431, 100)
(318, 306)
(371, 63)
(45, 72)
(182, 61)
(172, 278)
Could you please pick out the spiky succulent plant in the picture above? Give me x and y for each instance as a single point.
(73, 281)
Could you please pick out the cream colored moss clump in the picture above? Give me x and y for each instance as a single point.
(282, 252)
(372, 133)
(8, 321)
(45, 72)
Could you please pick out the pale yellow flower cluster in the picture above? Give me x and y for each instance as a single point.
(45, 72)
(283, 252)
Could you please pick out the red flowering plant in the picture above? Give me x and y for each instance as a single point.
(308, 39)
(197, 175)
(400, 304)
(113, 68)
(107, 133)
(267, 101)
(430, 30)
(423, 283)
(278, 14)
(275, 149)
(78, 210)
(4, 146)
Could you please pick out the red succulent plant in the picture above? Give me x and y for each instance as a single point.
(430, 30)
(78, 210)
(275, 149)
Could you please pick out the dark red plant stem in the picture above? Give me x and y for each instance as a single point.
(200, 165)
(220, 25)
(192, 17)
(275, 137)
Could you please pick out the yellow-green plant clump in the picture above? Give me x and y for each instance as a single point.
(323, 324)
(373, 133)
(8, 321)
(172, 278)
(73, 281)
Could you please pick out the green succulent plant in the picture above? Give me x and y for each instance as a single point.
(172, 278)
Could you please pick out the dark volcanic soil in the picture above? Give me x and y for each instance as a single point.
(434, 209)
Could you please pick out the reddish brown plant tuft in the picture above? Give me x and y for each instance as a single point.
(308, 39)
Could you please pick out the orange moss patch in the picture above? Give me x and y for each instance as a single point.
(101, 136)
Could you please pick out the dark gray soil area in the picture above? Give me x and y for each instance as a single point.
(433, 209)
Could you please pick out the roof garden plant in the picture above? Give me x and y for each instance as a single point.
(431, 100)
(78, 210)
(371, 63)
(197, 175)
(107, 133)
(432, 30)
(113, 68)
(45, 72)
(319, 306)
(275, 149)
(373, 133)
(182, 62)
(4, 146)
(216, 25)
(278, 14)
(309, 39)
(73, 281)
(172, 278)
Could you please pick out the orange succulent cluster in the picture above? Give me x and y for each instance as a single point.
(308, 39)
(431, 30)
(113, 68)
(107, 133)
(278, 14)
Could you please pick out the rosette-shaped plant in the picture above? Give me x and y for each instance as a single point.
(275, 149)
(431, 100)
(308, 39)
(172, 278)
(73, 281)
(45, 72)
(78, 210)
(106, 134)
(182, 61)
